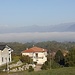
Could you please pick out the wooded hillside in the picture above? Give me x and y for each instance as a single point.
(49, 45)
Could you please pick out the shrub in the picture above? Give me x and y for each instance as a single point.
(55, 65)
(26, 59)
(35, 63)
(45, 66)
(31, 69)
(48, 65)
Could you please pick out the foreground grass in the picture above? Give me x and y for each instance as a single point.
(61, 71)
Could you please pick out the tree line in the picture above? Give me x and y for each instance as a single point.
(49, 45)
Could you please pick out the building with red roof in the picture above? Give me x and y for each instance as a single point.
(37, 54)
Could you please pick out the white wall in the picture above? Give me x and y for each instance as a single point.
(0, 57)
(5, 55)
(40, 59)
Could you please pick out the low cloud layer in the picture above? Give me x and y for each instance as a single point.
(37, 36)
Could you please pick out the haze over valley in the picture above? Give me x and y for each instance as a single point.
(36, 33)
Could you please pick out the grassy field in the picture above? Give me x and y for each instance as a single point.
(61, 71)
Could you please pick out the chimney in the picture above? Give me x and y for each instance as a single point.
(26, 48)
(43, 49)
(33, 45)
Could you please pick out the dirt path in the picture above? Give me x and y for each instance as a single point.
(37, 68)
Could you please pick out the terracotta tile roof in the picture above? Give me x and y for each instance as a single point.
(34, 49)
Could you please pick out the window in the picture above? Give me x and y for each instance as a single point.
(37, 55)
(42, 57)
(2, 59)
(9, 59)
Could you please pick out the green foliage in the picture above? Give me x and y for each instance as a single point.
(55, 65)
(26, 59)
(61, 71)
(49, 45)
(52, 62)
(50, 65)
(70, 58)
(35, 63)
(59, 58)
(31, 69)
(2, 67)
(45, 66)
(19, 47)
(15, 58)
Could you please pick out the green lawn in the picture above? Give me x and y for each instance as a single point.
(61, 71)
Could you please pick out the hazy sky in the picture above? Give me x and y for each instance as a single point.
(36, 12)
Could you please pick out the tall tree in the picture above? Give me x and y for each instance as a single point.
(59, 58)
(70, 58)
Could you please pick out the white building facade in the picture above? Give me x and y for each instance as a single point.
(5, 54)
(38, 55)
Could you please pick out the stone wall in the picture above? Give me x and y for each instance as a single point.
(20, 67)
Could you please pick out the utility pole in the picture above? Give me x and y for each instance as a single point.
(50, 58)
(7, 68)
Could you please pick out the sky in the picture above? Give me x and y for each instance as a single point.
(20, 13)
(36, 12)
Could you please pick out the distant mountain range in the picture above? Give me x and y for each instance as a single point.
(66, 27)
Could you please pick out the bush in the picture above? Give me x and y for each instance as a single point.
(45, 66)
(26, 59)
(53, 64)
(31, 69)
(35, 63)
(70, 58)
